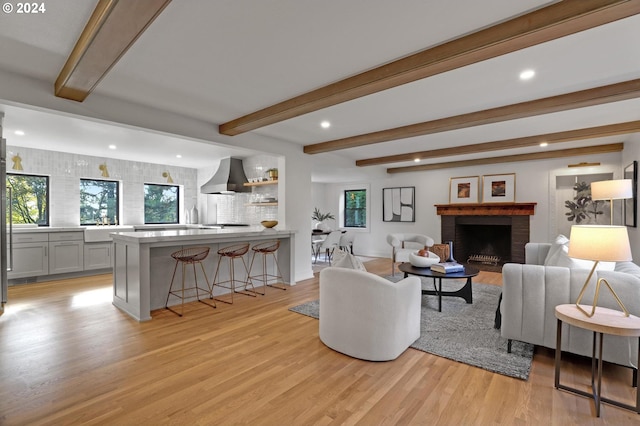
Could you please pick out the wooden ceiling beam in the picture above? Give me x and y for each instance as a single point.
(546, 155)
(111, 30)
(584, 98)
(524, 142)
(552, 22)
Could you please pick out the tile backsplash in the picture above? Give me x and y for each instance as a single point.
(66, 169)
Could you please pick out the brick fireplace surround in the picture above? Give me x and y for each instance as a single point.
(495, 233)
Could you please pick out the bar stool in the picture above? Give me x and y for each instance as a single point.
(233, 253)
(265, 249)
(191, 255)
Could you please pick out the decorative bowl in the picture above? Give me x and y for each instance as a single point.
(269, 223)
(421, 261)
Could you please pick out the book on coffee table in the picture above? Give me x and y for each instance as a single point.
(447, 267)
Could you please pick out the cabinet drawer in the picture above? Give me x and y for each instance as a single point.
(31, 237)
(67, 236)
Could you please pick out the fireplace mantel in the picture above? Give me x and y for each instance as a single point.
(486, 209)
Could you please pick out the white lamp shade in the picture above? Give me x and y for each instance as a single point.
(600, 242)
(611, 189)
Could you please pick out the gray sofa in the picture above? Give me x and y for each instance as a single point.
(531, 292)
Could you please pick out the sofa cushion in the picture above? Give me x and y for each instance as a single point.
(343, 259)
(559, 256)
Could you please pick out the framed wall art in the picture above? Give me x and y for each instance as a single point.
(463, 189)
(631, 204)
(398, 204)
(499, 188)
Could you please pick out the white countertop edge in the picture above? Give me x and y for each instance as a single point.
(197, 234)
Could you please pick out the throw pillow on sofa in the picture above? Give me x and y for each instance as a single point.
(343, 259)
(559, 256)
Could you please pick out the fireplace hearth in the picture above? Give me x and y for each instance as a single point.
(487, 235)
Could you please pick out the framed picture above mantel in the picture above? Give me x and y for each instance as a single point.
(499, 188)
(464, 190)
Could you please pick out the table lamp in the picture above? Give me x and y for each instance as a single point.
(599, 243)
(618, 189)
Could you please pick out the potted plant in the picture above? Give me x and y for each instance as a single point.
(273, 173)
(320, 217)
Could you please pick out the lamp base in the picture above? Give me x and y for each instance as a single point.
(595, 298)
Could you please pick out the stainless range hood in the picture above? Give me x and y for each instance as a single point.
(229, 178)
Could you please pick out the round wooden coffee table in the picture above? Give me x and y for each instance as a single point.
(465, 292)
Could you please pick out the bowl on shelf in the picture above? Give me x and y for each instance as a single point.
(269, 223)
(421, 261)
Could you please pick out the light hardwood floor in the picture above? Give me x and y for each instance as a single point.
(67, 356)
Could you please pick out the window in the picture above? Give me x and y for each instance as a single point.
(161, 203)
(355, 208)
(99, 201)
(29, 198)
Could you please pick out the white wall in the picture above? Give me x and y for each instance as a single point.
(432, 187)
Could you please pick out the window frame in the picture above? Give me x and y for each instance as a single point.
(346, 193)
(47, 198)
(178, 189)
(117, 206)
(341, 215)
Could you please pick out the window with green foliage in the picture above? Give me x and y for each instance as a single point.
(161, 203)
(99, 201)
(29, 198)
(355, 208)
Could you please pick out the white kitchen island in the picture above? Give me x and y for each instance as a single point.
(143, 265)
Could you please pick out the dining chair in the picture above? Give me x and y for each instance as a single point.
(328, 245)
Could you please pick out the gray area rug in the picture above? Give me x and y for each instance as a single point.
(462, 332)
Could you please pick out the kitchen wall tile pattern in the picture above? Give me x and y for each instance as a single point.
(66, 169)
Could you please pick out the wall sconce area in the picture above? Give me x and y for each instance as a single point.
(104, 170)
(17, 162)
(168, 176)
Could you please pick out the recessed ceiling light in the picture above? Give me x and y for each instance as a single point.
(19, 132)
(416, 160)
(543, 144)
(112, 147)
(325, 124)
(527, 74)
(178, 156)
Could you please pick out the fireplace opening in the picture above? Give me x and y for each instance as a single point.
(483, 245)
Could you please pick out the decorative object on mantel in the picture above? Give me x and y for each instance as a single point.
(604, 243)
(320, 217)
(499, 188)
(17, 162)
(168, 176)
(398, 204)
(463, 190)
(103, 168)
(631, 204)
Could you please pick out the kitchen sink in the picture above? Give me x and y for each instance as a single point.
(95, 234)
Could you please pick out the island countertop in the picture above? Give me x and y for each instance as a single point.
(191, 236)
(143, 266)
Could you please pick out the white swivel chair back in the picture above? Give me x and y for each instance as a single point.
(346, 241)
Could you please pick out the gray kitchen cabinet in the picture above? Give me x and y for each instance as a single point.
(66, 252)
(97, 256)
(30, 255)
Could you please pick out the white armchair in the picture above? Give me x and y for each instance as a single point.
(366, 316)
(403, 244)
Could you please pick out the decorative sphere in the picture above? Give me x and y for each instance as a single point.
(269, 223)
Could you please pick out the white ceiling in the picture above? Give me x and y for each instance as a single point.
(216, 61)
